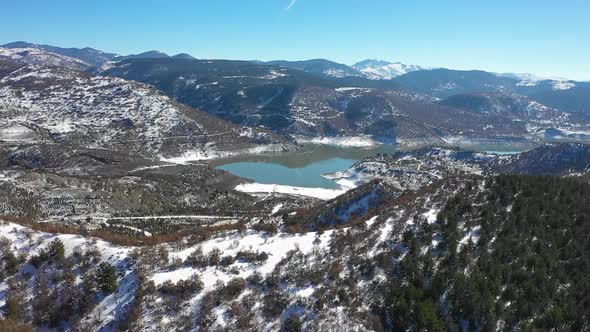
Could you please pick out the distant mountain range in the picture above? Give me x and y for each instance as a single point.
(318, 66)
(391, 102)
(371, 69)
(92, 56)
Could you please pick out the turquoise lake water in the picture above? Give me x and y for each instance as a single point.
(309, 175)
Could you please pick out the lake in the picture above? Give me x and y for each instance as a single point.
(275, 173)
(304, 167)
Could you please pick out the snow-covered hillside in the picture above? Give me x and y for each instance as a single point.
(57, 105)
(359, 270)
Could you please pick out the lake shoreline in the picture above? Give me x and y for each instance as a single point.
(307, 166)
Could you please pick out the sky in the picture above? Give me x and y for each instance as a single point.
(550, 38)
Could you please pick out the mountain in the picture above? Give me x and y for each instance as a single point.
(239, 91)
(383, 70)
(68, 109)
(88, 55)
(145, 55)
(319, 67)
(567, 96)
(518, 107)
(42, 57)
(294, 102)
(371, 69)
(443, 83)
(310, 99)
(93, 57)
(183, 56)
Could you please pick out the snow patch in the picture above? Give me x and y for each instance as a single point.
(320, 193)
(349, 142)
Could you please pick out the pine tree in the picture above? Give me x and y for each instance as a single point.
(57, 250)
(13, 307)
(106, 278)
(11, 263)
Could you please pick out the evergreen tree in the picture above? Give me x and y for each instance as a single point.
(57, 250)
(11, 263)
(106, 278)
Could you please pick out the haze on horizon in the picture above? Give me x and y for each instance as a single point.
(545, 38)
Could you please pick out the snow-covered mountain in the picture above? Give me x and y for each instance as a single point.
(383, 70)
(320, 67)
(88, 55)
(57, 105)
(294, 102)
(532, 80)
(38, 56)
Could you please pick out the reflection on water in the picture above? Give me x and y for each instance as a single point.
(304, 167)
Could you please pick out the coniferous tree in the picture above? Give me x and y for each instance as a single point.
(106, 278)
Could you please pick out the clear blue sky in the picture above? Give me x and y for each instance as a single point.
(544, 37)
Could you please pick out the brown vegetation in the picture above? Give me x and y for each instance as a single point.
(194, 235)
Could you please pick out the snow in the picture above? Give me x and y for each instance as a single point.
(61, 127)
(107, 65)
(112, 307)
(277, 208)
(557, 85)
(383, 70)
(341, 141)
(347, 179)
(39, 56)
(183, 273)
(431, 216)
(320, 193)
(371, 221)
(208, 154)
(472, 235)
(274, 74)
(305, 292)
(528, 83)
(338, 73)
(277, 247)
(563, 85)
(385, 230)
(189, 156)
(352, 88)
(15, 132)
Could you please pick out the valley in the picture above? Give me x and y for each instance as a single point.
(149, 192)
